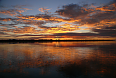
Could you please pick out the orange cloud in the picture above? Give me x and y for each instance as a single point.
(72, 16)
(61, 29)
(49, 18)
(111, 7)
(44, 10)
(22, 30)
(14, 12)
(5, 19)
(11, 12)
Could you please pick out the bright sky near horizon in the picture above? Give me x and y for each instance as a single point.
(57, 19)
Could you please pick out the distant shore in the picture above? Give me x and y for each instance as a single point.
(23, 41)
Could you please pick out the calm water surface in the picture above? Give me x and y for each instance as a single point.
(58, 60)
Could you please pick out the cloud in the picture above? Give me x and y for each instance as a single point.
(29, 22)
(107, 31)
(5, 19)
(75, 34)
(44, 10)
(39, 21)
(47, 18)
(23, 30)
(100, 21)
(63, 28)
(11, 12)
(3, 33)
(17, 21)
(111, 7)
(21, 7)
(16, 10)
(89, 16)
(72, 11)
(8, 25)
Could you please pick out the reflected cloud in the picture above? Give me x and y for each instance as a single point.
(87, 57)
(21, 56)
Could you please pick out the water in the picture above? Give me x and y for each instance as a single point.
(58, 60)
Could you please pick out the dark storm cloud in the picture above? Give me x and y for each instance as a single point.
(72, 11)
(97, 18)
(107, 31)
(89, 14)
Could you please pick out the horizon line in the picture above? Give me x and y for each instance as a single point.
(15, 40)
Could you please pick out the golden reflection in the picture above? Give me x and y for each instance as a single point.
(78, 43)
(33, 55)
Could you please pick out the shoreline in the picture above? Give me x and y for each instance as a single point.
(23, 41)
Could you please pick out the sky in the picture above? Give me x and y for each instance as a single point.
(57, 19)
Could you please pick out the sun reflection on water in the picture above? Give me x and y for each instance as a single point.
(93, 58)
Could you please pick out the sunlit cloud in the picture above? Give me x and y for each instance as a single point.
(111, 7)
(11, 12)
(5, 19)
(81, 20)
(23, 30)
(43, 9)
(15, 11)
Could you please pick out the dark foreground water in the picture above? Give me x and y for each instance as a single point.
(58, 60)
